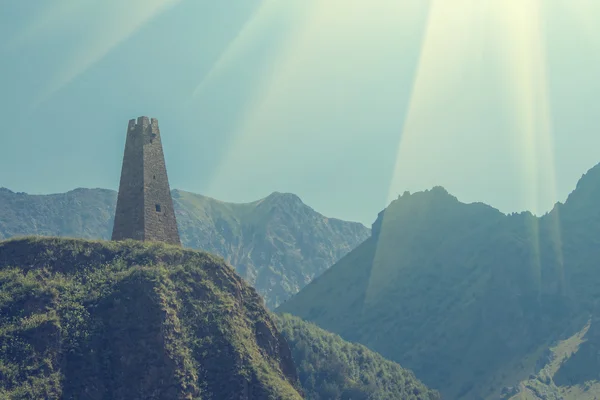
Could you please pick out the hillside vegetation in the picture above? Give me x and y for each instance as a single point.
(130, 320)
(105, 320)
(333, 369)
(278, 244)
(468, 298)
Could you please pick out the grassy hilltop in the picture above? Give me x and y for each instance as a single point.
(278, 244)
(94, 320)
(130, 320)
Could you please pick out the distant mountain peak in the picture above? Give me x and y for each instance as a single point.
(277, 243)
(284, 196)
(436, 192)
(430, 207)
(282, 200)
(90, 190)
(429, 199)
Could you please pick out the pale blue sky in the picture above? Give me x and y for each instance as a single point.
(346, 103)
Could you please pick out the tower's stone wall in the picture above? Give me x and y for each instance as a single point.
(144, 204)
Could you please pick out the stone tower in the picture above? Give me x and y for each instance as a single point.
(144, 205)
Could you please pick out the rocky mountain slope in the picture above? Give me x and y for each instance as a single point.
(569, 370)
(278, 244)
(468, 298)
(96, 320)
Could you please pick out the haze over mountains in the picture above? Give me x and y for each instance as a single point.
(470, 299)
(278, 244)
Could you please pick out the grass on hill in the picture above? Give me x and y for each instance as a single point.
(330, 368)
(82, 319)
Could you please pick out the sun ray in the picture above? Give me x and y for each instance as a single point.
(524, 51)
(320, 35)
(267, 12)
(442, 105)
(453, 35)
(245, 132)
(96, 41)
(47, 20)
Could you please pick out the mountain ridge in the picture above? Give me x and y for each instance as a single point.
(276, 243)
(463, 294)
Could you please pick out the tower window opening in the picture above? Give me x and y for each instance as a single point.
(158, 208)
(153, 176)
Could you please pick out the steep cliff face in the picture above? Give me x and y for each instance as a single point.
(278, 244)
(95, 320)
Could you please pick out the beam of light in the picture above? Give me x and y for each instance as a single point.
(100, 25)
(443, 103)
(452, 41)
(330, 47)
(245, 133)
(584, 17)
(48, 19)
(524, 63)
(266, 13)
(453, 36)
(524, 52)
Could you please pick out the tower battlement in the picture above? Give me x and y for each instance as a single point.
(143, 123)
(144, 205)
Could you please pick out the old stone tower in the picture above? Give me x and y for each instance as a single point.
(144, 204)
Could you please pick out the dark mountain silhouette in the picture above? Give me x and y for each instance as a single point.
(465, 296)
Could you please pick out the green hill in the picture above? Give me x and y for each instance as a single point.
(468, 298)
(333, 369)
(278, 244)
(130, 320)
(105, 320)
